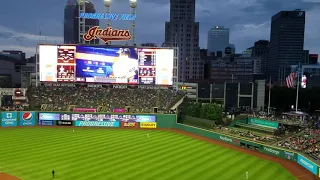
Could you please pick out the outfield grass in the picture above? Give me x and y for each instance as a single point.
(110, 154)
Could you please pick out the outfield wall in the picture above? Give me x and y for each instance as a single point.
(26, 118)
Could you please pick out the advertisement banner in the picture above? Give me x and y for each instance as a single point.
(84, 110)
(97, 123)
(108, 16)
(148, 125)
(129, 124)
(119, 110)
(229, 140)
(113, 117)
(27, 118)
(290, 155)
(146, 118)
(49, 116)
(263, 123)
(9, 119)
(306, 163)
(278, 152)
(65, 117)
(46, 123)
(64, 123)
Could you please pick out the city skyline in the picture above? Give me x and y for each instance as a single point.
(248, 22)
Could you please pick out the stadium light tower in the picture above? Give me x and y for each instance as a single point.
(107, 4)
(133, 6)
(82, 21)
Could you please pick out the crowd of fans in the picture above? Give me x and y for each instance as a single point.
(12, 108)
(248, 134)
(306, 141)
(139, 100)
(284, 119)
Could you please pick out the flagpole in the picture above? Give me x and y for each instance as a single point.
(269, 96)
(298, 85)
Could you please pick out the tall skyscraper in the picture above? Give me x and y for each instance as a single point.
(261, 49)
(286, 43)
(218, 39)
(71, 22)
(183, 32)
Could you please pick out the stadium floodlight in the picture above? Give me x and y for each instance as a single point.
(133, 3)
(81, 2)
(107, 3)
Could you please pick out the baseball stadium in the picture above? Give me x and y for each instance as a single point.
(77, 139)
(111, 112)
(116, 112)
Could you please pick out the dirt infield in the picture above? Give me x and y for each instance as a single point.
(4, 176)
(292, 167)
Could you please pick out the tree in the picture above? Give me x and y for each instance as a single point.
(190, 108)
(212, 112)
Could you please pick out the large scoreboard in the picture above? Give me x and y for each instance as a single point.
(105, 64)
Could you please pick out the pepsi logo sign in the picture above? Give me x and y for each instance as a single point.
(27, 116)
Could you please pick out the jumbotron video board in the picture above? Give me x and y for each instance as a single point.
(101, 64)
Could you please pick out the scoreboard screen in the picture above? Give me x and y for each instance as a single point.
(101, 64)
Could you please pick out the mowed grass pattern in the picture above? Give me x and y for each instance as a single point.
(114, 154)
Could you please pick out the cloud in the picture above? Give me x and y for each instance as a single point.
(248, 20)
(8, 33)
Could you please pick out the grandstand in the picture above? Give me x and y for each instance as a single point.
(138, 99)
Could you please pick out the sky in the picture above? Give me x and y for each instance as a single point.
(248, 20)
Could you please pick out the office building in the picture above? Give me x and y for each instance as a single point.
(218, 39)
(71, 22)
(234, 69)
(182, 32)
(313, 59)
(10, 71)
(26, 71)
(286, 43)
(17, 55)
(260, 49)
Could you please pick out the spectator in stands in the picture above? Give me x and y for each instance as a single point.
(307, 141)
(140, 100)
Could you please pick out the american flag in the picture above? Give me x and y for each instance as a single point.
(292, 76)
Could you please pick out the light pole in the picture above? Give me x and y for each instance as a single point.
(107, 4)
(133, 6)
(82, 21)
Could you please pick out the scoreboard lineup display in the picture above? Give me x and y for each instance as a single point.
(66, 64)
(103, 64)
(147, 66)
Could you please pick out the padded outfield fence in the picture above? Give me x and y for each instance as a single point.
(111, 120)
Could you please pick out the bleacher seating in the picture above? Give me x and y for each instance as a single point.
(307, 141)
(255, 127)
(140, 100)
